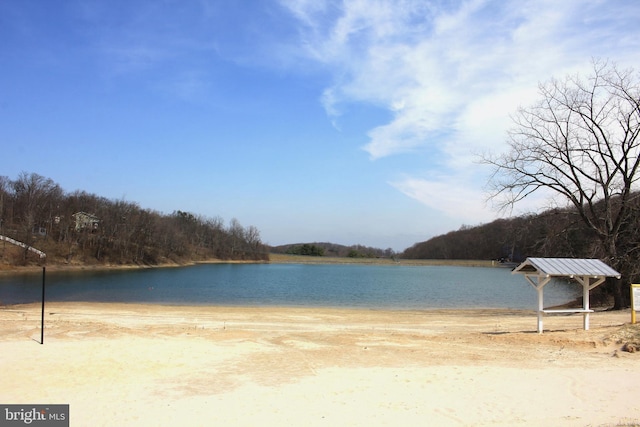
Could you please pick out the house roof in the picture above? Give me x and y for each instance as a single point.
(86, 215)
(567, 267)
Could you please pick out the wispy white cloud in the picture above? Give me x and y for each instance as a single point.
(445, 195)
(450, 73)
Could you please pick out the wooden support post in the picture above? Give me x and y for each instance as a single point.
(635, 301)
(585, 304)
(539, 284)
(585, 281)
(540, 308)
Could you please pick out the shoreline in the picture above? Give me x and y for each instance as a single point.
(8, 270)
(526, 317)
(458, 322)
(301, 259)
(274, 259)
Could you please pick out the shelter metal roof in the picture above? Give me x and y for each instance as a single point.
(567, 267)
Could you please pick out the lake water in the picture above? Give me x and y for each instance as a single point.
(352, 286)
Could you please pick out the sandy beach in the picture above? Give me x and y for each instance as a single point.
(151, 365)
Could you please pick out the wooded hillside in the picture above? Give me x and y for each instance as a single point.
(83, 228)
(553, 233)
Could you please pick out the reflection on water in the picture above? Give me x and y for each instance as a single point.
(362, 286)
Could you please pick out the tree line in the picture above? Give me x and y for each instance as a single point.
(305, 249)
(552, 233)
(333, 250)
(83, 228)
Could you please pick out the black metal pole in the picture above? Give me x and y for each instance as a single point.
(42, 318)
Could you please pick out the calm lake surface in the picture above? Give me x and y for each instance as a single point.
(348, 286)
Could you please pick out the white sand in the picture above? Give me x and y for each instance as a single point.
(146, 365)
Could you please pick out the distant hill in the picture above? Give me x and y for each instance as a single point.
(332, 250)
(553, 233)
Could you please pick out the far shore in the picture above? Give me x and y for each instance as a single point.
(273, 259)
(301, 259)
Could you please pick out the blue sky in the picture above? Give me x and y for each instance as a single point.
(354, 122)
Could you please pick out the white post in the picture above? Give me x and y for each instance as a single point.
(539, 286)
(540, 307)
(585, 303)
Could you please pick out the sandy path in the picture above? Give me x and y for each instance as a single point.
(146, 365)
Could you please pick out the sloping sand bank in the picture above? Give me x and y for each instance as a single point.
(150, 365)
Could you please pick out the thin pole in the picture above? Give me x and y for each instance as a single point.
(42, 317)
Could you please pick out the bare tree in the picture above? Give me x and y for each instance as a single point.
(5, 184)
(35, 196)
(580, 140)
